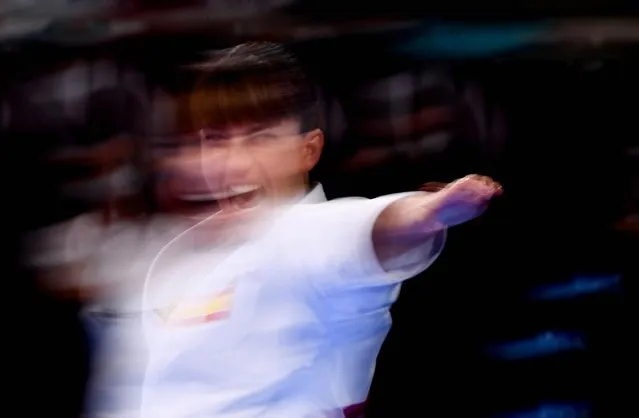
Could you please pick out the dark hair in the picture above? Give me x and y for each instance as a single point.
(257, 82)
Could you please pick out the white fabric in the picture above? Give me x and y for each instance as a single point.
(120, 265)
(307, 312)
(307, 317)
(63, 243)
(112, 261)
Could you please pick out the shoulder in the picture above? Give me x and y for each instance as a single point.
(133, 238)
(64, 242)
(127, 251)
(342, 211)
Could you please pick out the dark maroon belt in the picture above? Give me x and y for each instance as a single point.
(355, 411)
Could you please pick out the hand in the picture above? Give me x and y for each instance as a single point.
(463, 199)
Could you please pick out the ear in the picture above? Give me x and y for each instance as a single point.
(312, 148)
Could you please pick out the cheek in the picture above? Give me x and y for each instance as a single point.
(187, 159)
(282, 162)
(186, 171)
(213, 160)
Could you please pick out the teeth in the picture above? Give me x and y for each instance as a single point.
(230, 192)
(235, 191)
(245, 188)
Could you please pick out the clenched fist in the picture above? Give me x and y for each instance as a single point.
(463, 199)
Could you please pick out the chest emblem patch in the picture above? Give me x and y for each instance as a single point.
(214, 308)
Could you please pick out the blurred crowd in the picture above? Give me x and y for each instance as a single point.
(86, 146)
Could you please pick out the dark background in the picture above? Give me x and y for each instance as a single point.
(570, 115)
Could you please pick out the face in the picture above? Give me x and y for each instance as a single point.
(238, 170)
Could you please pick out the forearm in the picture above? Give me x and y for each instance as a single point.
(405, 225)
(411, 221)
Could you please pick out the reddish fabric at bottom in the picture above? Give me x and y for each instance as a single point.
(355, 411)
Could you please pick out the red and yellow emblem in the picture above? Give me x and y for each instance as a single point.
(209, 310)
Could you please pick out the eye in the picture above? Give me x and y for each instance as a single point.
(262, 137)
(209, 136)
(212, 138)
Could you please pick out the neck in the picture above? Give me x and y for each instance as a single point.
(296, 189)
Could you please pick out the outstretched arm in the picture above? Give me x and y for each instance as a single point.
(411, 221)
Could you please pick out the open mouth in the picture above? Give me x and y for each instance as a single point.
(233, 198)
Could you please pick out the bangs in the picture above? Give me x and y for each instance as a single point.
(245, 100)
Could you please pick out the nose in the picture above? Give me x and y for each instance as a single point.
(231, 164)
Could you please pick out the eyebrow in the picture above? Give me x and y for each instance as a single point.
(264, 131)
(258, 128)
(223, 133)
